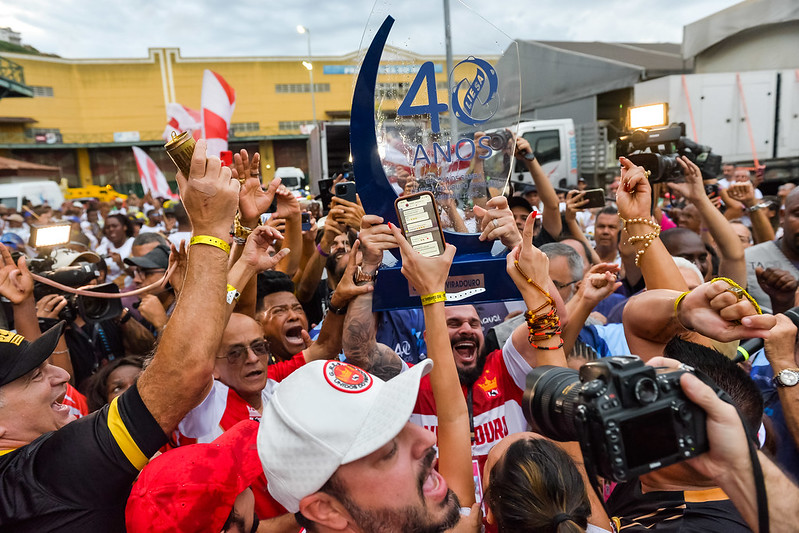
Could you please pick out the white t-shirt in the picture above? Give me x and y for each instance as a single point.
(106, 247)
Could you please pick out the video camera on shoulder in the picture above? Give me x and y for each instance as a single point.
(657, 150)
(629, 418)
(77, 275)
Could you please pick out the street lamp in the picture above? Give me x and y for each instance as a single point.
(309, 65)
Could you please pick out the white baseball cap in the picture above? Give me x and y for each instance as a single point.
(327, 414)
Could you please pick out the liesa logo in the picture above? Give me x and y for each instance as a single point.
(347, 378)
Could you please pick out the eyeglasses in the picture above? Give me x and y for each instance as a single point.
(144, 272)
(560, 285)
(237, 352)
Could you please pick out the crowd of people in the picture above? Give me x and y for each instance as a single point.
(249, 386)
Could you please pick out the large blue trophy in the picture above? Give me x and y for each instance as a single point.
(417, 127)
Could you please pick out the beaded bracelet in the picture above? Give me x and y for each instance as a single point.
(533, 283)
(646, 238)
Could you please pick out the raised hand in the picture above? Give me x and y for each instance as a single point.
(50, 305)
(179, 257)
(693, 188)
(427, 274)
(209, 194)
(153, 310)
(375, 237)
(532, 262)
(497, 222)
(347, 213)
(634, 195)
(16, 282)
(253, 199)
(347, 290)
(780, 286)
(743, 192)
(287, 204)
(256, 250)
(715, 310)
(575, 200)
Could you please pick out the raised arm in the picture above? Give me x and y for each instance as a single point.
(360, 326)
(528, 267)
(575, 200)
(288, 208)
(597, 284)
(429, 276)
(551, 215)
(731, 250)
(744, 192)
(180, 373)
(713, 310)
(329, 343)
(634, 198)
(781, 354)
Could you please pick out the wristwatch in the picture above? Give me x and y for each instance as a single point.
(786, 378)
(757, 207)
(360, 277)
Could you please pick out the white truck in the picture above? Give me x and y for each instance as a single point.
(566, 152)
(14, 190)
(748, 117)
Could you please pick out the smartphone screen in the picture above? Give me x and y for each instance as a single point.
(306, 221)
(418, 218)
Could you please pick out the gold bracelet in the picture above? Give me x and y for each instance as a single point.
(646, 238)
(242, 232)
(211, 241)
(743, 293)
(434, 298)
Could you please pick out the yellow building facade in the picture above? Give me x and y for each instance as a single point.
(87, 113)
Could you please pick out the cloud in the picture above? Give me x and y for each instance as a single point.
(203, 28)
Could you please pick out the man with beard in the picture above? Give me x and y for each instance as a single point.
(493, 382)
(338, 450)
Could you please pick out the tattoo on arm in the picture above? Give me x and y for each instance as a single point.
(360, 345)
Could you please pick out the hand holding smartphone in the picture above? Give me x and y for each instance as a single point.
(418, 218)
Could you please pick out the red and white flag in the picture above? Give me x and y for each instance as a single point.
(152, 179)
(218, 100)
(181, 119)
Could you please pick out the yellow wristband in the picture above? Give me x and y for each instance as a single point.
(211, 241)
(676, 307)
(434, 298)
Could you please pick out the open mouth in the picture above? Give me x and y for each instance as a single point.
(58, 404)
(434, 486)
(254, 374)
(466, 351)
(294, 335)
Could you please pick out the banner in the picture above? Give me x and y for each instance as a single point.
(218, 101)
(152, 179)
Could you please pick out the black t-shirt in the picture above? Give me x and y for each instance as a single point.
(79, 477)
(674, 511)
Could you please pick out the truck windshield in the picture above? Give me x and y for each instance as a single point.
(545, 144)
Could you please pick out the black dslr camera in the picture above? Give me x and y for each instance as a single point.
(657, 150)
(629, 418)
(77, 275)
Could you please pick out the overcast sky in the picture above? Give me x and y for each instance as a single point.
(207, 28)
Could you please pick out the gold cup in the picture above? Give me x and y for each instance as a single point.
(180, 149)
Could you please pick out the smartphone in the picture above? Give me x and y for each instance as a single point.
(595, 197)
(418, 218)
(712, 190)
(326, 193)
(306, 220)
(346, 191)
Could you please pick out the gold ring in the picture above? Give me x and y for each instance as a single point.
(242, 180)
(737, 291)
(647, 173)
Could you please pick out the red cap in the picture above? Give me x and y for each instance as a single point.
(193, 488)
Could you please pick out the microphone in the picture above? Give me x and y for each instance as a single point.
(749, 346)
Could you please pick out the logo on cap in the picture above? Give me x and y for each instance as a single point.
(347, 378)
(10, 336)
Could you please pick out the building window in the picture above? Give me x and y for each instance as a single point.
(301, 87)
(242, 128)
(291, 125)
(42, 92)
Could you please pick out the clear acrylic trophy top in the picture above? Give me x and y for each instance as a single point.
(446, 130)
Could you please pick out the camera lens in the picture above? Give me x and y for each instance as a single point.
(646, 391)
(550, 402)
(95, 308)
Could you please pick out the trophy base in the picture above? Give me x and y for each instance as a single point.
(473, 278)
